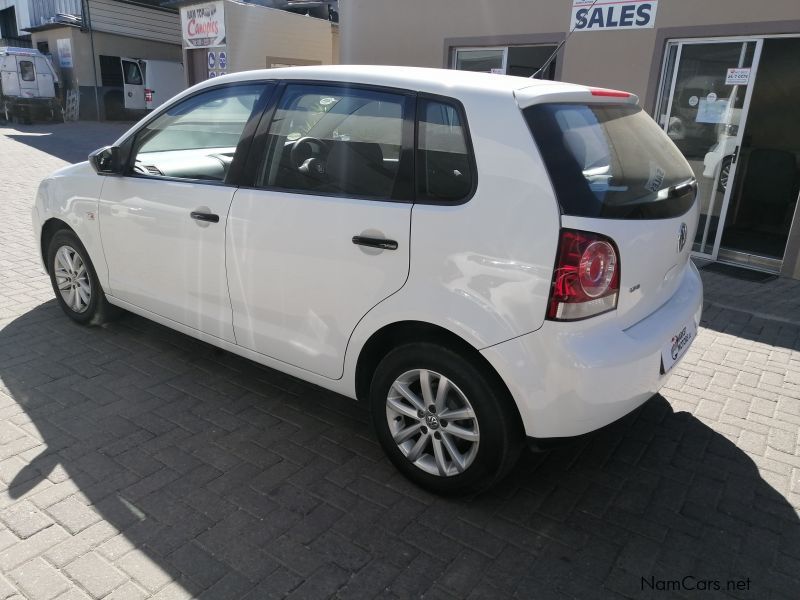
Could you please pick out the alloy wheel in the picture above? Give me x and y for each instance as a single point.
(72, 279)
(432, 422)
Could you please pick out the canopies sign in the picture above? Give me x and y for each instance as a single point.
(588, 15)
(203, 25)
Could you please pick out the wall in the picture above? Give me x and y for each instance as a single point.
(255, 32)
(412, 32)
(135, 21)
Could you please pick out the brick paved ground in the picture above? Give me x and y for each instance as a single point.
(136, 462)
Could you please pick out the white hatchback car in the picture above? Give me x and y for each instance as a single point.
(481, 258)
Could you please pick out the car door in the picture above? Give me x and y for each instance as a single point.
(133, 83)
(163, 223)
(322, 233)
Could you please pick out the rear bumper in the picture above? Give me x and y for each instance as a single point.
(572, 378)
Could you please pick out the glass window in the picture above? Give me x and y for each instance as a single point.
(482, 60)
(131, 72)
(26, 70)
(610, 161)
(197, 138)
(335, 140)
(444, 170)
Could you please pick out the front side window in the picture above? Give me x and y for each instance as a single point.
(335, 140)
(131, 72)
(26, 70)
(197, 138)
(444, 165)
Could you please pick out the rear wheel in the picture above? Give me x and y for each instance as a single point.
(442, 421)
(75, 281)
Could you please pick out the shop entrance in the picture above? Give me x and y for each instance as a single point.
(728, 105)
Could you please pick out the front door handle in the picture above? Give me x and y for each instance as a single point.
(371, 242)
(203, 216)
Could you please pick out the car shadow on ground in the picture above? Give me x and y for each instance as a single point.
(236, 479)
(71, 142)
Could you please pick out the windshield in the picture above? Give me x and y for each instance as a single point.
(610, 161)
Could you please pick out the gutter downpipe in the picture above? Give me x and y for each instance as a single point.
(88, 21)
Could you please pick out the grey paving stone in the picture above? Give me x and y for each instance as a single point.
(95, 574)
(24, 519)
(39, 580)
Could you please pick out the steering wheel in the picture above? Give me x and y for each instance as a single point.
(306, 156)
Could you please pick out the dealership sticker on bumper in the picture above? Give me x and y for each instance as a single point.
(677, 346)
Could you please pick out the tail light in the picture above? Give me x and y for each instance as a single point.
(148, 95)
(585, 278)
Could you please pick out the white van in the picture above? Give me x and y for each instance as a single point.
(28, 85)
(149, 83)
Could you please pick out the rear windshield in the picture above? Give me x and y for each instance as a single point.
(611, 161)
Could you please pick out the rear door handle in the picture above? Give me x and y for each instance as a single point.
(201, 216)
(371, 242)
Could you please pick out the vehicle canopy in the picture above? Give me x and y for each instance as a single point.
(26, 73)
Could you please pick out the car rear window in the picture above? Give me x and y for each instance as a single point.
(611, 161)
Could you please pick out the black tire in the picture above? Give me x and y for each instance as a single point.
(97, 311)
(500, 432)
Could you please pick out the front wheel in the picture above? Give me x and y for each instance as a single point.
(442, 420)
(75, 281)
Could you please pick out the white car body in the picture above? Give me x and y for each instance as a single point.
(278, 280)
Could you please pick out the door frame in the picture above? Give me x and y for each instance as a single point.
(680, 43)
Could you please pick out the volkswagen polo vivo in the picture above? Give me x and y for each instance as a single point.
(481, 258)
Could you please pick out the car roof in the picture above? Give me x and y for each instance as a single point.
(434, 81)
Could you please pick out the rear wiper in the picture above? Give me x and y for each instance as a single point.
(676, 191)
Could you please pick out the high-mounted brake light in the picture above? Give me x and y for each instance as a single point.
(585, 278)
(609, 93)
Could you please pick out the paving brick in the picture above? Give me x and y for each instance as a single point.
(95, 574)
(73, 514)
(145, 570)
(24, 519)
(79, 544)
(39, 580)
(20, 552)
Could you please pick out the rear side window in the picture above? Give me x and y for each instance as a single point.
(26, 70)
(444, 164)
(610, 161)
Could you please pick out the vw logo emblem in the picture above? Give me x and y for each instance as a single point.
(683, 233)
(433, 421)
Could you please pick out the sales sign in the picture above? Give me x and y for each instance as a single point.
(588, 15)
(203, 25)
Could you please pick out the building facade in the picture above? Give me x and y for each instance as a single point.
(224, 36)
(87, 53)
(721, 77)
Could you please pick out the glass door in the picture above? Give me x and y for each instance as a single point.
(705, 94)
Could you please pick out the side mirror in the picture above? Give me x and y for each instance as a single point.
(106, 161)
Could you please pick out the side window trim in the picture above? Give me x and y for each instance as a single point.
(404, 185)
(129, 144)
(462, 115)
